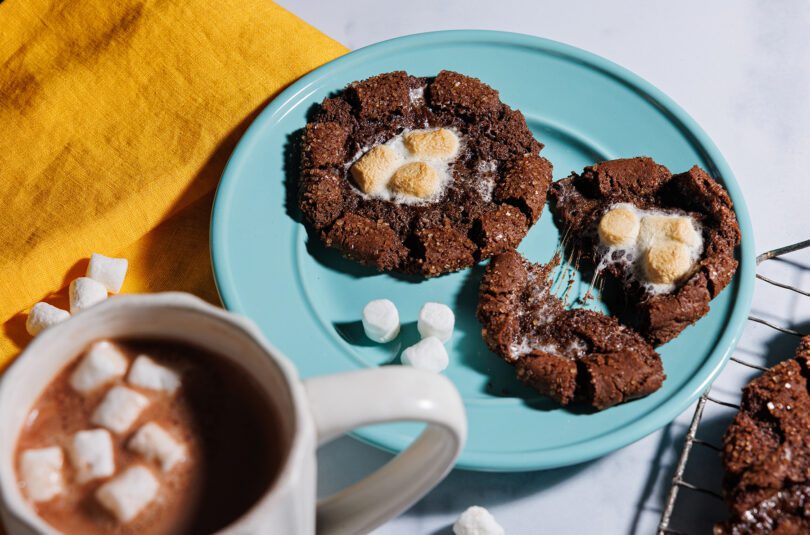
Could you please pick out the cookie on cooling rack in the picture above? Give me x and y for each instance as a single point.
(565, 354)
(668, 239)
(420, 175)
(766, 453)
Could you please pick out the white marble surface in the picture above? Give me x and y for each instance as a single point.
(742, 69)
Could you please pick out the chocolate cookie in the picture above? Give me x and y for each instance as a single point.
(669, 240)
(420, 175)
(565, 354)
(766, 453)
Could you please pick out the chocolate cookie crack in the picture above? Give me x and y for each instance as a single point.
(766, 453)
(667, 284)
(420, 175)
(569, 355)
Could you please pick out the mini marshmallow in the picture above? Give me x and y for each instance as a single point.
(619, 226)
(428, 354)
(108, 271)
(41, 473)
(417, 179)
(119, 409)
(381, 320)
(128, 494)
(667, 262)
(372, 170)
(436, 319)
(146, 373)
(42, 315)
(658, 229)
(477, 521)
(156, 444)
(439, 143)
(91, 454)
(103, 363)
(84, 293)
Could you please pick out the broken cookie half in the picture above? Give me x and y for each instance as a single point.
(569, 355)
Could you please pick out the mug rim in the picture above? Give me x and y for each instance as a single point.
(11, 496)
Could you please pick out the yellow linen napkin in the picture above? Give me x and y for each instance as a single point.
(116, 119)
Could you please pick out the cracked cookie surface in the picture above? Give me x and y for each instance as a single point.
(681, 243)
(766, 453)
(420, 175)
(566, 354)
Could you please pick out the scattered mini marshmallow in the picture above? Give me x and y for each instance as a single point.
(119, 409)
(42, 315)
(477, 521)
(436, 319)
(146, 373)
(84, 293)
(128, 494)
(157, 444)
(41, 473)
(91, 454)
(428, 354)
(381, 320)
(108, 271)
(103, 363)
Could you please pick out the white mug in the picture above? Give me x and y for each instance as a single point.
(313, 412)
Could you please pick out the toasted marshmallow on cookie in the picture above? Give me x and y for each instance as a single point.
(439, 143)
(372, 172)
(662, 247)
(416, 179)
(619, 226)
(411, 167)
(666, 263)
(657, 229)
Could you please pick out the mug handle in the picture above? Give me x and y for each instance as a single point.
(340, 403)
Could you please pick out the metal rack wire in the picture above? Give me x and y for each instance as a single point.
(678, 482)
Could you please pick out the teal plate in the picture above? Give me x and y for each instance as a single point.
(307, 299)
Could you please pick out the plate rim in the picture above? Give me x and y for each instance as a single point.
(559, 456)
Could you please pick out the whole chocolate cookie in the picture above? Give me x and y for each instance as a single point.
(420, 175)
(565, 354)
(766, 453)
(669, 240)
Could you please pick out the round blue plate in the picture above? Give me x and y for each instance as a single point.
(308, 300)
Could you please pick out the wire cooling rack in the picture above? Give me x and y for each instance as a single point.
(691, 439)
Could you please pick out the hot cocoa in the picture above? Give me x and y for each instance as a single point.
(148, 437)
